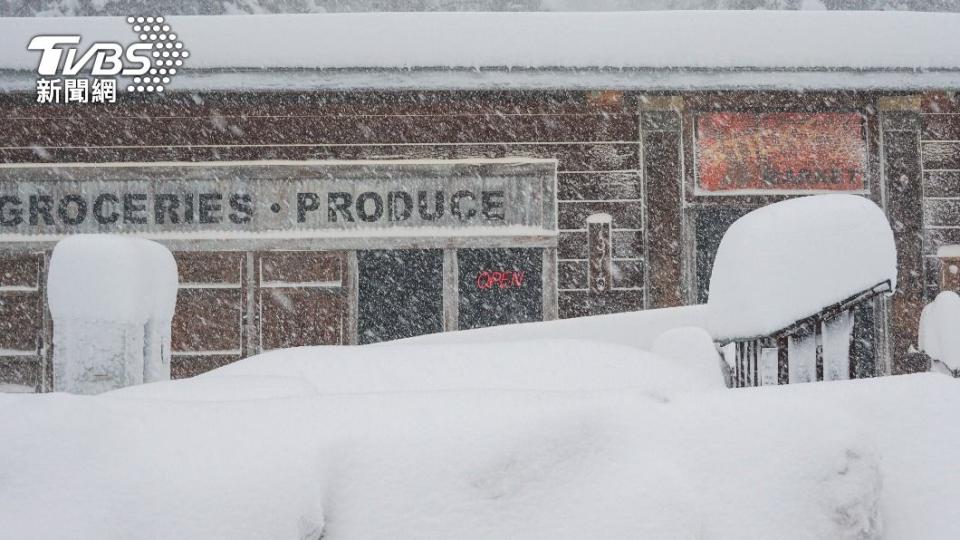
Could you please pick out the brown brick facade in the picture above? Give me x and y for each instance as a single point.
(627, 154)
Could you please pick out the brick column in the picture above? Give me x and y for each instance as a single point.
(902, 179)
(661, 141)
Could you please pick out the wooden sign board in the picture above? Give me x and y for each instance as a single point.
(339, 198)
(743, 152)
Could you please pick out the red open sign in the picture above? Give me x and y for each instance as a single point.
(503, 279)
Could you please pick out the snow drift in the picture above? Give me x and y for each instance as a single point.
(266, 456)
(538, 439)
(637, 329)
(787, 261)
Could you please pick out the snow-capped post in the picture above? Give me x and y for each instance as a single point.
(600, 253)
(111, 298)
(788, 283)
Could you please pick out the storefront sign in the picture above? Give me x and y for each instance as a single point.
(276, 197)
(788, 152)
(507, 279)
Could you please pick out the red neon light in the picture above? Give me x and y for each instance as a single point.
(504, 280)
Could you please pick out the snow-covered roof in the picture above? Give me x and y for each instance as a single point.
(787, 261)
(610, 49)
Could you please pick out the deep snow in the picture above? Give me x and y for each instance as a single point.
(282, 445)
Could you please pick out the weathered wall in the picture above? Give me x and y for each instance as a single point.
(630, 155)
(592, 135)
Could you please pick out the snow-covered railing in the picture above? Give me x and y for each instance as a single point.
(940, 367)
(782, 357)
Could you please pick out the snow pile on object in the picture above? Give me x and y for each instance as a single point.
(112, 300)
(787, 261)
(940, 329)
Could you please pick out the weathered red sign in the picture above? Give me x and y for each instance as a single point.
(780, 151)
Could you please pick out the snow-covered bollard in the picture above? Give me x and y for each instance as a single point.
(111, 299)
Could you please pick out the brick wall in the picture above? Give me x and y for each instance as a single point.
(593, 135)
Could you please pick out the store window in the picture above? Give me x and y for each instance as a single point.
(302, 298)
(208, 322)
(400, 294)
(499, 286)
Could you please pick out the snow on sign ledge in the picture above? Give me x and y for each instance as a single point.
(787, 261)
(651, 39)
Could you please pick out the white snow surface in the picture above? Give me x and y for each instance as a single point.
(294, 443)
(636, 329)
(940, 329)
(788, 260)
(693, 348)
(650, 39)
(548, 365)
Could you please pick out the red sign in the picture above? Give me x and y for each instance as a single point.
(780, 151)
(505, 280)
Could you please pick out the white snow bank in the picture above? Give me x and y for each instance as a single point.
(221, 388)
(787, 261)
(112, 300)
(537, 364)
(636, 329)
(651, 39)
(940, 329)
(837, 461)
(694, 349)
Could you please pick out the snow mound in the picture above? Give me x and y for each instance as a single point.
(222, 388)
(840, 461)
(537, 364)
(694, 349)
(940, 329)
(635, 329)
(787, 261)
